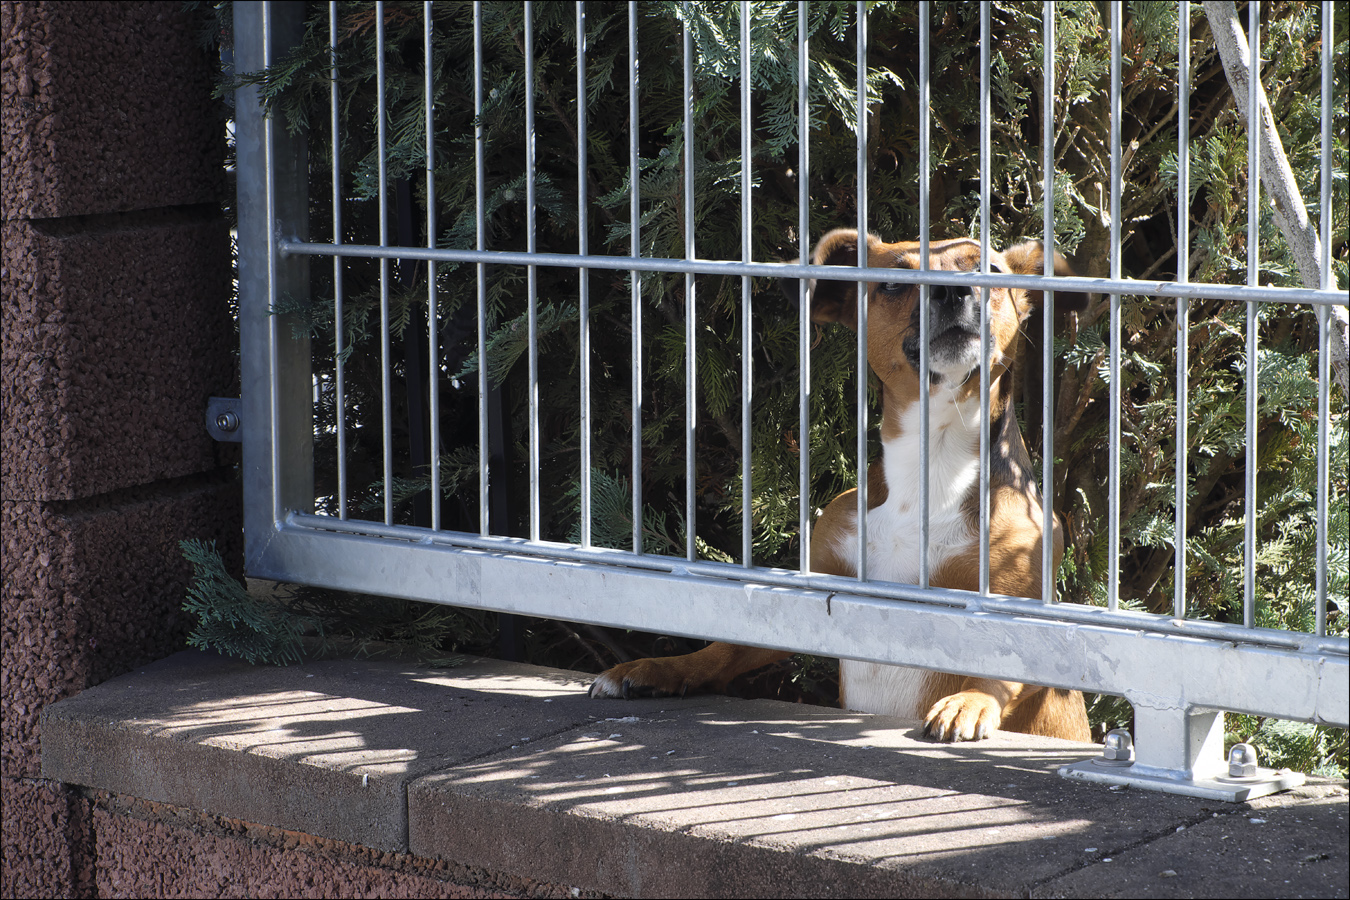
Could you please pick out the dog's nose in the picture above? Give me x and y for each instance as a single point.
(949, 293)
(950, 306)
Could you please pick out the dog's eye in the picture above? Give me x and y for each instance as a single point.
(892, 287)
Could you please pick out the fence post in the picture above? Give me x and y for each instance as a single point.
(1179, 742)
(1179, 750)
(273, 184)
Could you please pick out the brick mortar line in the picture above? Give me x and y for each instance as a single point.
(78, 224)
(149, 492)
(206, 823)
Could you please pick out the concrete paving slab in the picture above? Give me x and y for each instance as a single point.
(327, 747)
(830, 803)
(1293, 845)
(512, 768)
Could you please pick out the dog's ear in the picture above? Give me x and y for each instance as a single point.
(1028, 258)
(831, 301)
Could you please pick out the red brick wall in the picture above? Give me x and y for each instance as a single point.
(116, 330)
(203, 855)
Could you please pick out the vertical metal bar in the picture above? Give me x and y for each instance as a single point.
(1183, 304)
(635, 249)
(532, 272)
(433, 321)
(277, 387)
(386, 386)
(480, 207)
(1113, 467)
(1328, 33)
(1323, 317)
(690, 305)
(862, 290)
(1048, 309)
(273, 342)
(985, 140)
(339, 335)
(583, 277)
(925, 214)
(747, 521)
(1323, 457)
(803, 304)
(1253, 277)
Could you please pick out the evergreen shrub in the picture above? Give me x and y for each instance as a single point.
(296, 89)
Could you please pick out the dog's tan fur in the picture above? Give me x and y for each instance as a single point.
(954, 707)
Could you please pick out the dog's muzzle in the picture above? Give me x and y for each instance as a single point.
(953, 333)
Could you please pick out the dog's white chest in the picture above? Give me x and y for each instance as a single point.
(885, 690)
(894, 528)
(895, 544)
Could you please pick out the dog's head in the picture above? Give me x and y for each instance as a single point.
(954, 309)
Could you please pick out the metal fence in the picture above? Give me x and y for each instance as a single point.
(1178, 673)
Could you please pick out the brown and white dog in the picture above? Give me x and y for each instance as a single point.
(954, 708)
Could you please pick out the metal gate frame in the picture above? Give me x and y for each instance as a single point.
(1178, 674)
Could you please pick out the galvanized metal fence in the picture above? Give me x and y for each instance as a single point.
(1179, 673)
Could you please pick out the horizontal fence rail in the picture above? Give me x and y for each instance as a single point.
(1189, 290)
(1179, 672)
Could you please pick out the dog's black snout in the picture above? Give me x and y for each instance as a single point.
(949, 293)
(949, 306)
(953, 318)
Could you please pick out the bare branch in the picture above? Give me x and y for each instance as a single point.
(1276, 174)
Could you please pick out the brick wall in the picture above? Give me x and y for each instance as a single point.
(116, 327)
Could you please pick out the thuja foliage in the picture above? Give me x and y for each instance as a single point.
(231, 620)
(296, 90)
(290, 622)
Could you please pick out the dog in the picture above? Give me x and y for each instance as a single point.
(953, 707)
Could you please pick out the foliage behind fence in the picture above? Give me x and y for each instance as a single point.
(297, 88)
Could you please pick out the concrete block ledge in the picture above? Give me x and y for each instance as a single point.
(512, 768)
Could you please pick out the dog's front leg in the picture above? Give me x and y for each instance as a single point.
(976, 711)
(708, 669)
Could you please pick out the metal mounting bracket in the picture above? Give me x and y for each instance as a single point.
(1187, 760)
(223, 419)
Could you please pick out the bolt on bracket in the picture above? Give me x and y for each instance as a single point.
(1193, 768)
(223, 419)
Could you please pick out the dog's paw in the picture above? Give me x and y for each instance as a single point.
(641, 678)
(967, 716)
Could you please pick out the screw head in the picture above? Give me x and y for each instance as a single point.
(1117, 749)
(227, 421)
(1242, 761)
